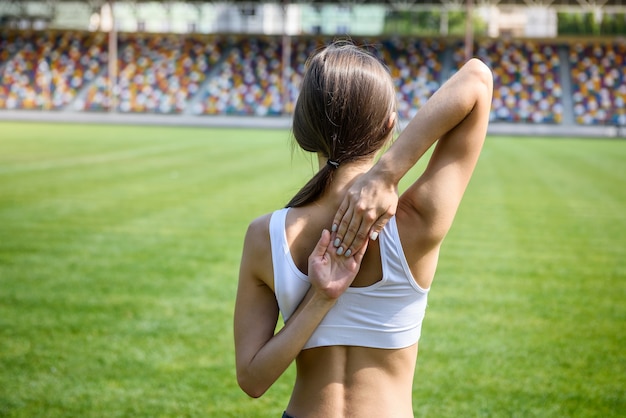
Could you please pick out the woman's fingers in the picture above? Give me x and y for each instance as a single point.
(322, 245)
(340, 215)
(342, 228)
(379, 225)
(353, 233)
(352, 224)
(358, 232)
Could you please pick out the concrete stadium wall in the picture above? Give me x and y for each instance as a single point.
(284, 122)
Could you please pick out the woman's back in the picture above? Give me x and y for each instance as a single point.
(354, 380)
(302, 228)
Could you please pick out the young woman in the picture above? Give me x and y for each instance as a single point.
(353, 307)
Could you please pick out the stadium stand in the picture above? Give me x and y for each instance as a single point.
(527, 84)
(599, 82)
(248, 80)
(416, 66)
(243, 75)
(45, 70)
(157, 73)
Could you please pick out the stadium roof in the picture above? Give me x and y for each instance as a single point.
(408, 4)
(394, 4)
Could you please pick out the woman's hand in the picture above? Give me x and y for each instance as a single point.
(330, 273)
(367, 206)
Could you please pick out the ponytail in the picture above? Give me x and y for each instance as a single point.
(314, 187)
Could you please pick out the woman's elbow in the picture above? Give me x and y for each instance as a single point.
(251, 387)
(479, 71)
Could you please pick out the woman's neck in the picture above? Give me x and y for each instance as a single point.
(345, 174)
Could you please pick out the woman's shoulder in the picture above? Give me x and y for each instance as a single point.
(257, 252)
(260, 226)
(258, 229)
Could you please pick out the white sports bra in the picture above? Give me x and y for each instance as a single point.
(387, 314)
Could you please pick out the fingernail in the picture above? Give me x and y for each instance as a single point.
(339, 250)
(337, 242)
(347, 254)
(374, 236)
(334, 228)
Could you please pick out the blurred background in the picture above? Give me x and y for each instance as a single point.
(559, 65)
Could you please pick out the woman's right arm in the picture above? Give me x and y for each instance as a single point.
(261, 355)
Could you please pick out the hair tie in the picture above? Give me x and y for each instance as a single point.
(332, 163)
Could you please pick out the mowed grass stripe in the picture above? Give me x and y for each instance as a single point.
(527, 290)
(120, 254)
(107, 293)
(120, 249)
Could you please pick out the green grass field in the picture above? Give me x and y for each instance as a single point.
(119, 252)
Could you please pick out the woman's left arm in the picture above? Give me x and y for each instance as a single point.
(456, 118)
(261, 355)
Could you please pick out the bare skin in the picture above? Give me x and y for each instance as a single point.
(351, 381)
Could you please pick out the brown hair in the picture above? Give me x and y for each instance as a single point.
(342, 112)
